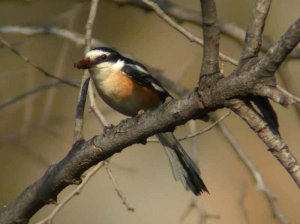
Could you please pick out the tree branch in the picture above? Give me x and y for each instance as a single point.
(78, 129)
(211, 34)
(27, 93)
(85, 154)
(128, 132)
(182, 30)
(277, 54)
(23, 57)
(255, 29)
(276, 145)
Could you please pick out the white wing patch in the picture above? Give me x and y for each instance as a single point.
(139, 68)
(157, 87)
(118, 65)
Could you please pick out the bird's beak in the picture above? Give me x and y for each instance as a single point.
(84, 64)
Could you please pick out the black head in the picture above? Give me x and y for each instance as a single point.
(97, 56)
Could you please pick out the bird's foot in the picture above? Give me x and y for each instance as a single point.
(168, 99)
(141, 112)
(107, 128)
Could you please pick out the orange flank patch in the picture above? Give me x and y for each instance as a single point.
(145, 97)
(126, 96)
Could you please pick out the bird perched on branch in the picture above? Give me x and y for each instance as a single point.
(127, 87)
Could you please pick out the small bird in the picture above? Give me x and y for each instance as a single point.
(128, 87)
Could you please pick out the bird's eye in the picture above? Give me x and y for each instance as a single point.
(103, 57)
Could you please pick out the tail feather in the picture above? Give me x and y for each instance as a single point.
(183, 167)
(267, 112)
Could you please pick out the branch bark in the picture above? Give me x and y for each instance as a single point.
(221, 92)
(255, 29)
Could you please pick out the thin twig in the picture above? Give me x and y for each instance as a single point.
(261, 186)
(85, 82)
(182, 30)
(199, 132)
(293, 98)
(278, 213)
(76, 38)
(116, 187)
(70, 196)
(29, 106)
(241, 203)
(78, 134)
(203, 214)
(289, 84)
(27, 93)
(255, 29)
(94, 108)
(182, 14)
(27, 60)
(60, 64)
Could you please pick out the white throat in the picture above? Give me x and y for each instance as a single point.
(103, 70)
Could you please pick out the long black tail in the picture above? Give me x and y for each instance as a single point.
(267, 112)
(183, 166)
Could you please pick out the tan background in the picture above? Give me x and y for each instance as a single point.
(38, 131)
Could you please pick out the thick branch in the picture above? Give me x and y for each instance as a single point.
(86, 154)
(276, 145)
(128, 132)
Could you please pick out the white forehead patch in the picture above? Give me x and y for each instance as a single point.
(93, 54)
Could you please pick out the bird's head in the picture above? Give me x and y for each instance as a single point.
(101, 58)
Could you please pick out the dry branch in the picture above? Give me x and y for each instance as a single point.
(27, 60)
(255, 29)
(182, 14)
(222, 92)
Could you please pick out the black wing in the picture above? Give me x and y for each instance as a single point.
(141, 75)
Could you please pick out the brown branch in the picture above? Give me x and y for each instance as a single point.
(276, 145)
(203, 214)
(78, 129)
(70, 196)
(277, 54)
(182, 14)
(78, 134)
(155, 7)
(256, 175)
(117, 190)
(241, 203)
(27, 60)
(255, 29)
(261, 185)
(199, 132)
(211, 34)
(61, 63)
(76, 38)
(78, 126)
(288, 83)
(85, 154)
(130, 131)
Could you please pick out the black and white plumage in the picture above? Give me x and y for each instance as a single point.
(128, 87)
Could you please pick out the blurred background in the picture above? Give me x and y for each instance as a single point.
(37, 130)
